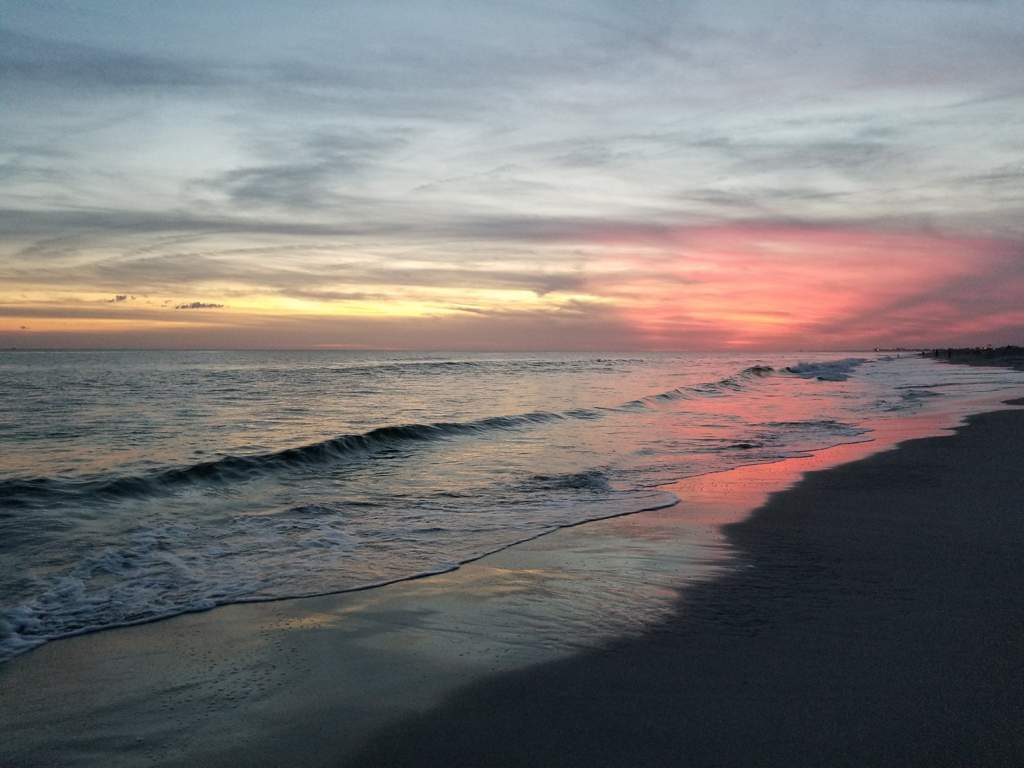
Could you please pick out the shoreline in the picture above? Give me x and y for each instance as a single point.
(1001, 357)
(668, 503)
(877, 622)
(303, 672)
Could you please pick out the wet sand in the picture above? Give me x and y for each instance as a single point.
(659, 637)
(879, 620)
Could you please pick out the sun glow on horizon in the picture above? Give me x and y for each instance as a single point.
(719, 286)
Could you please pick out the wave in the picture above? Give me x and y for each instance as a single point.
(67, 610)
(590, 480)
(176, 564)
(429, 367)
(834, 370)
(234, 468)
(729, 384)
(919, 394)
(829, 424)
(909, 399)
(17, 492)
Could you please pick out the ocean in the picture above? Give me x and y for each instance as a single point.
(140, 485)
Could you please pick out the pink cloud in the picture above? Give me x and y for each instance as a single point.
(776, 286)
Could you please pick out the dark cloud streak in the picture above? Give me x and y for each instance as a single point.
(36, 61)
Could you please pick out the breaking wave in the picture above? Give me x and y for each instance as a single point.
(734, 383)
(835, 370)
(236, 468)
(909, 399)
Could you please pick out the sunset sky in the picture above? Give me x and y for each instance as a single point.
(511, 175)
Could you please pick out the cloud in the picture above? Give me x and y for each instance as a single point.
(324, 295)
(314, 270)
(686, 166)
(849, 157)
(198, 305)
(309, 178)
(20, 223)
(582, 327)
(37, 61)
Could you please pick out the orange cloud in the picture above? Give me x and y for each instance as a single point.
(768, 286)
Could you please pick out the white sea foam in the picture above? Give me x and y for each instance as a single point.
(830, 370)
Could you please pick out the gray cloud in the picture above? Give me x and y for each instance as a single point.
(307, 172)
(69, 222)
(293, 273)
(846, 156)
(582, 326)
(198, 305)
(31, 60)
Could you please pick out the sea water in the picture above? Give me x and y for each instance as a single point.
(140, 485)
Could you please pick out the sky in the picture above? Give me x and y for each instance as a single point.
(568, 174)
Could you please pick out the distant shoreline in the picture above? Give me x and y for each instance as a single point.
(1005, 357)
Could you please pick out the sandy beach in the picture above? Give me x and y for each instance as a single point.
(879, 622)
(869, 615)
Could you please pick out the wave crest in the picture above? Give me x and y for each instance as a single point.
(832, 370)
(234, 468)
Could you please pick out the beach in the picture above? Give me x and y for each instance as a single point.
(491, 384)
(878, 622)
(869, 615)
